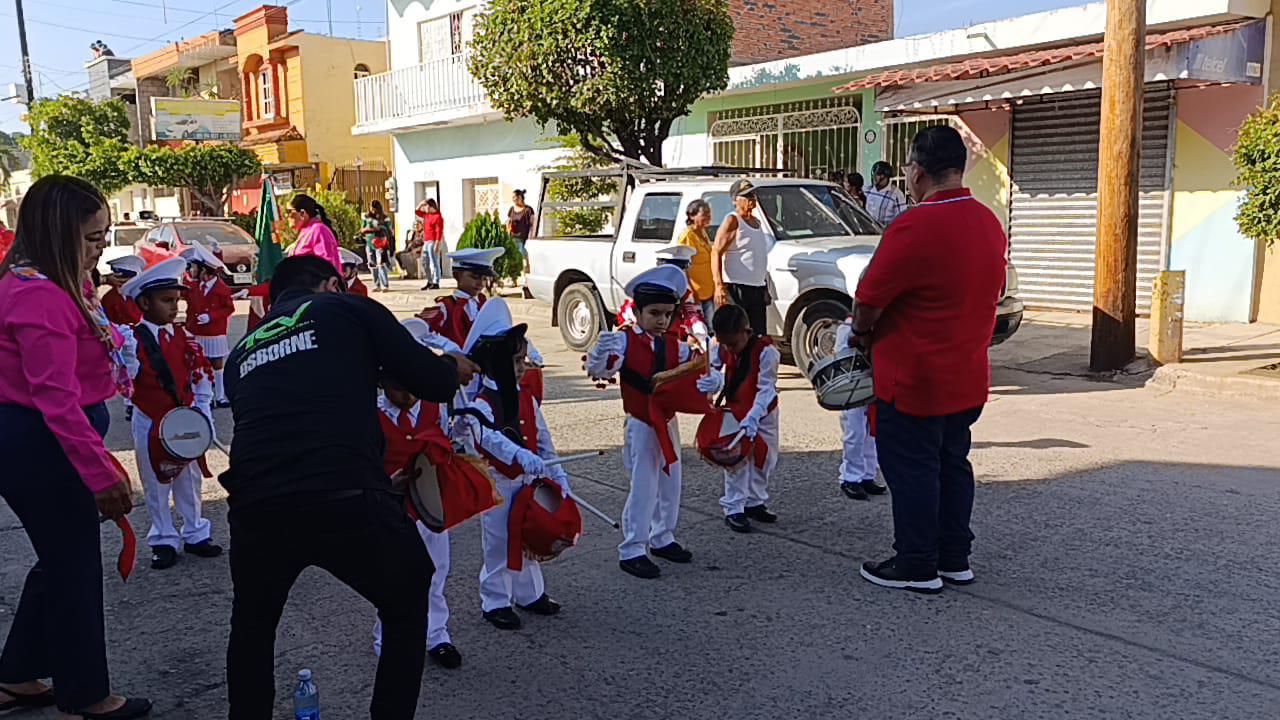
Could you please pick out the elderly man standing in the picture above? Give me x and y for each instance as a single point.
(740, 258)
(927, 307)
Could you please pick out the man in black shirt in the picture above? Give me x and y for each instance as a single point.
(306, 485)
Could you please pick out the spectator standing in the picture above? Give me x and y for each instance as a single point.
(884, 202)
(926, 307)
(315, 232)
(854, 183)
(520, 223)
(701, 281)
(739, 260)
(428, 213)
(377, 246)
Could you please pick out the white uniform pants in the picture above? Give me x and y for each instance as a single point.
(653, 505)
(438, 609)
(859, 462)
(184, 491)
(499, 586)
(748, 486)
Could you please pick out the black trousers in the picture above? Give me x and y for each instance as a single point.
(925, 460)
(58, 629)
(755, 300)
(364, 539)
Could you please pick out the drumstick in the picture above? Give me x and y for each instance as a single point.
(592, 509)
(571, 458)
(736, 439)
(226, 450)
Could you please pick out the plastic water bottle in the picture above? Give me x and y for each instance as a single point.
(306, 698)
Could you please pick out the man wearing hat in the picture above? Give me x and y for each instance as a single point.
(455, 314)
(350, 273)
(119, 309)
(171, 371)
(209, 308)
(740, 258)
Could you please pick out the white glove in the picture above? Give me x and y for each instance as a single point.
(240, 295)
(130, 350)
(203, 318)
(530, 463)
(614, 342)
(750, 427)
(561, 479)
(712, 382)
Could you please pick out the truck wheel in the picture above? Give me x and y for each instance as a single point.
(580, 316)
(814, 336)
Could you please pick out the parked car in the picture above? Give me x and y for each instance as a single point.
(238, 248)
(823, 242)
(120, 242)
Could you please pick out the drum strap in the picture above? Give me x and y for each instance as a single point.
(740, 372)
(640, 382)
(511, 433)
(158, 363)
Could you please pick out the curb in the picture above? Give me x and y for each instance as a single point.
(1242, 387)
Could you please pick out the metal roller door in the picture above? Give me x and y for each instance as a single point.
(1054, 205)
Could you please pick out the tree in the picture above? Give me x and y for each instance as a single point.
(77, 136)
(12, 158)
(616, 73)
(1257, 159)
(579, 222)
(344, 216)
(208, 170)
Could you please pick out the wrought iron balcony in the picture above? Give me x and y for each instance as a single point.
(438, 92)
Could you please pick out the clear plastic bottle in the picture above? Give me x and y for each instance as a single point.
(306, 698)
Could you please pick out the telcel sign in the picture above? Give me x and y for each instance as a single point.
(194, 119)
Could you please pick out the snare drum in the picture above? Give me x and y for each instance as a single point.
(185, 433)
(843, 381)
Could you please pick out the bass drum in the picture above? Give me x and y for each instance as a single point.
(185, 433)
(843, 381)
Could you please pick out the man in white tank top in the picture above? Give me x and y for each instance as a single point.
(739, 259)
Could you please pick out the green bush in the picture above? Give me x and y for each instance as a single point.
(247, 222)
(485, 231)
(1257, 159)
(343, 214)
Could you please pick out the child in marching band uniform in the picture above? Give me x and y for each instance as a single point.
(350, 273)
(209, 307)
(651, 451)
(456, 313)
(749, 381)
(513, 436)
(858, 463)
(168, 362)
(120, 309)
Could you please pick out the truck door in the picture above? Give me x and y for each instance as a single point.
(649, 228)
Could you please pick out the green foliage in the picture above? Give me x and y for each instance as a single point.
(182, 81)
(12, 158)
(615, 73)
(246, 221)
(1257, 159)
(485, 231)
(209, 170)
(579, 221)
(77, 136)
(343, 214)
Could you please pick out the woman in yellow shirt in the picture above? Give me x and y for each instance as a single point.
(698, 219)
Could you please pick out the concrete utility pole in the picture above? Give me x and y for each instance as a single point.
(1115, 283)
(26, 56)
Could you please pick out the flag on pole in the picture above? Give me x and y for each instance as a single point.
(269, 252)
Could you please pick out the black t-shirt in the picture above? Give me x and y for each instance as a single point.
(304, 387)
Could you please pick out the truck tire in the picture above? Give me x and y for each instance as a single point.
(580, 315)
(813, 337)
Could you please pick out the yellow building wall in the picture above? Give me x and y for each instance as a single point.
(296, 107)
(328, 99)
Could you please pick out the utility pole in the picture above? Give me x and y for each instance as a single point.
(328, 8)
(26, 55)
(1115, 283)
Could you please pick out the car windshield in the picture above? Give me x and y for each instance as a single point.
(211, 232)
(849, 211)
(126, 236)
(796, 214)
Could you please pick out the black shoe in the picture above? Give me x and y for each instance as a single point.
(503, 618)
(642, 567)
(871, 487)
(760, 513)
(886, 574)
(673, 552)
(445, 655)
(163, 557)
(132, 709)
(204, 549)
(222, 404)
(427, 287)
(958, 574)
(853, 490)
(542, 606)
(738, 522)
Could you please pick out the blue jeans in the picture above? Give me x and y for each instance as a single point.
(380, 279)
(429, 262)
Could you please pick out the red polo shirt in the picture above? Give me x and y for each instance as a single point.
(937, 275)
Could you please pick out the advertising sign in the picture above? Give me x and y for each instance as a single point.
(195, 119)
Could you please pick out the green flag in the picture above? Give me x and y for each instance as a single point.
(269, 252)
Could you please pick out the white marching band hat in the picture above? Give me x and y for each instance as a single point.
(494, 318)
(679, 255)
(661, 280)
(166, 275)
(200, 254)
(127, 266)
(423, 333)
(477, 260)
(348, 257)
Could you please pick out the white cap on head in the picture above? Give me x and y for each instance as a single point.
(127, 266)
(477, 260)
(678, 255)
(166, 275)
(662, 280)
(198, 253)
(494, 318)
(348, 257)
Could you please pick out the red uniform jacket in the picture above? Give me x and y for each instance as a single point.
(743, 397)
(528, 424)
(402, 446)
(453, 323)
(187, 363)
(119, 309)
(639, 365)
(358, 288)
(217, 303)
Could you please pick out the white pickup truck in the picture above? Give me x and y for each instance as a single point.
(822, 242)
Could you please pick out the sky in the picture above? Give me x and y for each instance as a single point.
(59, 31)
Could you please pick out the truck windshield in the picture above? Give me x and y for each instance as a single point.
(849, 211)
(796, 214)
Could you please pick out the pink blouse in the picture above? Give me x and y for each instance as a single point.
(51, 360)
(315, 238)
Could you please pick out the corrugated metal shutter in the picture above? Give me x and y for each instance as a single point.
(1054, 208)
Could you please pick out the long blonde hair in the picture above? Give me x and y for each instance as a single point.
(48, 236)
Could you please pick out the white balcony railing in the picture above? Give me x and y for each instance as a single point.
(414, 94)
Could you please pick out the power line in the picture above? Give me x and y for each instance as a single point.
(180, 27)
(63, 26)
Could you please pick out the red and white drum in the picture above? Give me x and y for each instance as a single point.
(185, 433)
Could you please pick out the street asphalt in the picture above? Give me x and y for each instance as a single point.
(1127, 552)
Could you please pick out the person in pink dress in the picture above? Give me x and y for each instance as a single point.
(315, 234)
(60, 361)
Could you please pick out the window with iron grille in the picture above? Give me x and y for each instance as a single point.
(815, 138)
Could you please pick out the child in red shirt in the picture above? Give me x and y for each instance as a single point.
(209, 308)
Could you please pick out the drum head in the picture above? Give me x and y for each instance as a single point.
(185, 433)
(548, 496)
(424, 494)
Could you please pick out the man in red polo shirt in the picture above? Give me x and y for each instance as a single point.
(927, 307)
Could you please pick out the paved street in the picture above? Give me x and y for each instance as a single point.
(1126, 554)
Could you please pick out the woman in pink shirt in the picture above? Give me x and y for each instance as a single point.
(60, 360)
(315, 235)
